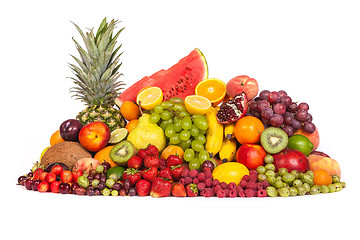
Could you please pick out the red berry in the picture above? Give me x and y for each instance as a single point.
(261, 193)
(185, 173)
(231, 185)
(220, 193)
(251, 185)
(173, 160)
(249, 192)
(217, 188)
(135, 162)
(152, 150)
(241, 193)
(150, 161)
(243, 184)
(223, 185)
(143, 187)
(227, 192)
(201, 186)
(215, 182)
(233, 193)
(208, 192)
(187, 180)
(193, 173)
(208, 182)
(201, 176)
(142, 153)
(246, 178)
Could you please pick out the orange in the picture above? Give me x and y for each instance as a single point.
(104, 156)
(248, 130)
(149, 97)
(197, 104)
(322, 177)
(129, 110)
(172, 150)
(131, 125)
(56, 138)
(213, 89)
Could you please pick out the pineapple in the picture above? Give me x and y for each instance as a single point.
(96, 80)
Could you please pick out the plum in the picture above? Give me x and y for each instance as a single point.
(69, 130)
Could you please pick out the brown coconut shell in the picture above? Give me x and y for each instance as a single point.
(65, 152)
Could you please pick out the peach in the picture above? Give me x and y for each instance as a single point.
(313, 137)
(86, 164)
(241, 84)
(320, 162)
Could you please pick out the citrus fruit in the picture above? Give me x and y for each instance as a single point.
(117, 135)
(104, 156)
(248, 130)
(118, 170)
(172, 150)
(300, 143)
(131, 125)
(149, 97)
(230, 172)
(197, 104)
(129, 110)
(213, 89)
(56, 138)
(322, 177)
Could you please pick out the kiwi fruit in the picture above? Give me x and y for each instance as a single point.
(274, 140)
(122, 152)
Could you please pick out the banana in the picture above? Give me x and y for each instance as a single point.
(228, 150)
(214, 133)
(229, 131)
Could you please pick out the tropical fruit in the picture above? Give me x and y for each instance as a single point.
(178, 81)
(96, 76)
(122, 152)
(274, 140)
(213, 89)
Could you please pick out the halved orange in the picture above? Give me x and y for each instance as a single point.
(213, 89)
(149, 97)
(197, 104)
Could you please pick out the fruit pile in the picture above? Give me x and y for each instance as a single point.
(179, 133)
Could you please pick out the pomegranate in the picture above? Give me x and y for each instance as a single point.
(233, 109)
(291, 160)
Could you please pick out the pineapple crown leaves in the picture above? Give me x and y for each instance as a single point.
(96, 76)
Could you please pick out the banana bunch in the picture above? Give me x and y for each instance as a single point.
(229, 130)
(214, 133)
(228, 150)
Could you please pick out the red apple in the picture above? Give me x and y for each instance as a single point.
(94, 136)
(241, 84)
(291, 160)
(251, 155)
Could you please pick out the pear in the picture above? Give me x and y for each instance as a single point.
(146, 133)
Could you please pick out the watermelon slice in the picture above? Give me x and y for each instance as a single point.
(178, 81)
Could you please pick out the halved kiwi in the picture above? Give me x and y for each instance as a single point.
(122, 152)
(274, 140)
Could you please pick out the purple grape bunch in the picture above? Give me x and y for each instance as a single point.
(277, 109)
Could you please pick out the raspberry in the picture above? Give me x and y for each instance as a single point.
(208, 192)
(251, 185)
(215, 182)
(253, 178)
(195, 180)
(233, 193)
(217, 188)
(259, 185)
(231, 185)
(205, 170)
(239, 188)
(201, 186)
(255, 192)
(201, 176)
(243, 183)
(249, 192)
(202, 193)
(193, 173)
(241, 193)
(227, 192)
(182, 181)
(208, 175)
(261, 193)
(208, 182)
(246, 178)
(187, 180)
(220, 194)
(185, 173)
(223, 185)
(265, 184)
(253, 172)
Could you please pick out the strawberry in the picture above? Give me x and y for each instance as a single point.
(135, 162)
(152, 150)
(150, 161)
(132, 174)
(162, 164)
(191, 190)
(166, 174)
(142, 153)
(178, 190)
(143, 187)
(173, 160)
(176, 172)
(160, 188)
(150, 174)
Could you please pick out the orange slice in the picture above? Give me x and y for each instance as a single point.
(213, 89)
(197, 104)
(149, 97)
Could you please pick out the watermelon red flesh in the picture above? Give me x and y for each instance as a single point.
(178, 81)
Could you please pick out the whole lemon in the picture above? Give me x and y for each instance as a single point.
(230, 172)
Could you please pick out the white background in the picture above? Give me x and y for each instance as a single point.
(311, 49)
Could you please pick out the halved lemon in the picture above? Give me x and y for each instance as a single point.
(197, 104)
(150, 97)
(213, 89)
(118, 135)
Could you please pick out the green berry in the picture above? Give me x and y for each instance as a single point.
(324, 189)
(114, 193)
(270, 166)
(114, 177)
(261, 177)
(100, 168)
(110, 182)
(306, 178)
(332, 188)
(282, 171)
(269, 159)
(293, 191)
(288, 178)
(295, 173)
(83, 181)
(271, 180)
(261, 169)
(338, 187)
(270, 173)
(306, 186)
(284, 192)
(279, 184)
(335, 178)
(95, 183)
(271, 191)
(314, 190)
(105, 192)
(301, 191)
(297, 183)
(343, 184)
(311, 173)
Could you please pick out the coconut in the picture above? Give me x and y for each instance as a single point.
(64, 152)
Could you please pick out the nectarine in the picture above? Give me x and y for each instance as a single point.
(317, 161)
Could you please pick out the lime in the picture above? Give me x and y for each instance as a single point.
(300, 143)
(118, 170)
(118, 135)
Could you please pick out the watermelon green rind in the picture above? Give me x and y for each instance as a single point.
(179, 80)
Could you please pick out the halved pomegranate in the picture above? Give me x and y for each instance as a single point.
(233, 109)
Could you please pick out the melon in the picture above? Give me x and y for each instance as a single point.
(179, 80)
